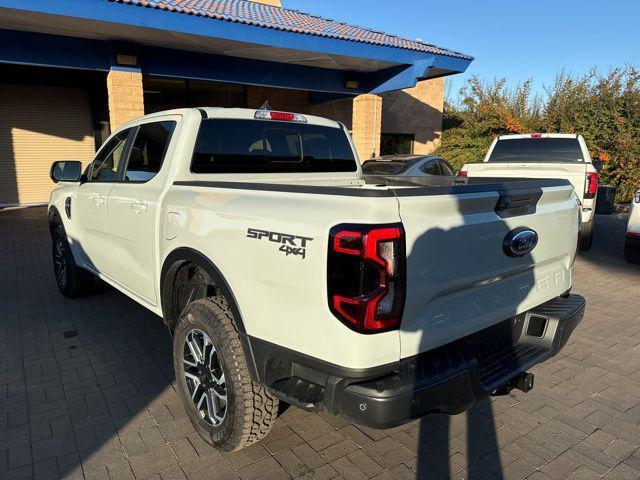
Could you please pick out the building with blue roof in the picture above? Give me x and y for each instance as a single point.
(73, 70)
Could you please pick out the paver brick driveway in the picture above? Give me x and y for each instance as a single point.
(86, 391)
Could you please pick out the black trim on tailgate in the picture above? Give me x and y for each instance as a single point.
(479, 185)
(415, 189)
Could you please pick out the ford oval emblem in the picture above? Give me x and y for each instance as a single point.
(519, 242)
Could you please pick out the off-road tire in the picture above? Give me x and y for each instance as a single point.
(251, 410)
(586, 235)
(74, 282)
(631, 252)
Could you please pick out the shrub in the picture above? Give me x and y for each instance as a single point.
(604, 108)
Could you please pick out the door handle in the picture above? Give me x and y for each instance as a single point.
(98, 200)
(140, 207)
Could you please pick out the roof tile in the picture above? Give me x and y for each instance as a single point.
(267, 16)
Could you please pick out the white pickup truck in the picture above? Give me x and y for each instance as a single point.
(632, 240)
(282, 275)
(545, 155)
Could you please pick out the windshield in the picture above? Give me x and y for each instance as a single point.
(384, 168)
(258, 146)
(537, 150)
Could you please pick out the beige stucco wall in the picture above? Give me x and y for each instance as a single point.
(416, 111)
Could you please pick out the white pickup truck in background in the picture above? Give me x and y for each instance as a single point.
(632, 240)
(545, 155)
(283, 275)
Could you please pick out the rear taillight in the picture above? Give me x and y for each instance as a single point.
(462, 173)
(591, 185)
(367, 276)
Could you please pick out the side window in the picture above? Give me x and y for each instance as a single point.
(105, 166)
(431, 168)
(446, 168)
(148, 150)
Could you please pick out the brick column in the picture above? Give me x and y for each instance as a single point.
(126, 99)
(367, 125)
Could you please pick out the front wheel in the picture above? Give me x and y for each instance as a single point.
(72, 280)
(227, 408)
(586, 235)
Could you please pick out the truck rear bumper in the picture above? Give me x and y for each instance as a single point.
(449, 379)
(452, 378)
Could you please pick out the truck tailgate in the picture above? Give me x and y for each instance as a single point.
(574, 172)
(459, 278)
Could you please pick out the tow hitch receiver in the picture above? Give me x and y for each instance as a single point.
(523, 382)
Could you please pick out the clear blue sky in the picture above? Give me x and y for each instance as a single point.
(513, 39)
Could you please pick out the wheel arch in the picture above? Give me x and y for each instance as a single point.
(172, 264)
(54, 219)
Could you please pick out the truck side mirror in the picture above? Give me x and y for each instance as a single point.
(66, 171)
(597, 164)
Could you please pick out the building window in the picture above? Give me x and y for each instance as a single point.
(396, 143)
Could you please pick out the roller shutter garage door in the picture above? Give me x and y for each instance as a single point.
(39, 125)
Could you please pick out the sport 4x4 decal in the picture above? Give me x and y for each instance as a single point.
(289, 244)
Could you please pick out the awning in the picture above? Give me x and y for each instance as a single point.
(223, 40)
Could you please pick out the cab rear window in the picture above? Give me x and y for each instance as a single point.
(537, 150)
(256, 146)
(383, 168)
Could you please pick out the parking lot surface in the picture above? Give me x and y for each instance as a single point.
(86, 392)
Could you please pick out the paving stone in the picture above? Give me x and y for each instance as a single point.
(291, 463)
(258, 469)
(103, 405)
(152, 462)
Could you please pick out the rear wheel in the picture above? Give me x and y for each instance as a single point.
(227, 408)
(631, 252)
(72, 280)
(586, 235)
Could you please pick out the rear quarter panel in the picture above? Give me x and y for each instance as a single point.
(282, 298)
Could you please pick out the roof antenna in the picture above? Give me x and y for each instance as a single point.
(266, 106)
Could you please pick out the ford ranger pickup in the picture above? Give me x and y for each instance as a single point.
(546, 155)
(283, 275)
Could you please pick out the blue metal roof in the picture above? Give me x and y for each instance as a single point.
(271, 17)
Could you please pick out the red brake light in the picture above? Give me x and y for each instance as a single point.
(591, 185)
(462, 173)
(536, 135)
(287, 117)
(281, 116)
(366, 276)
